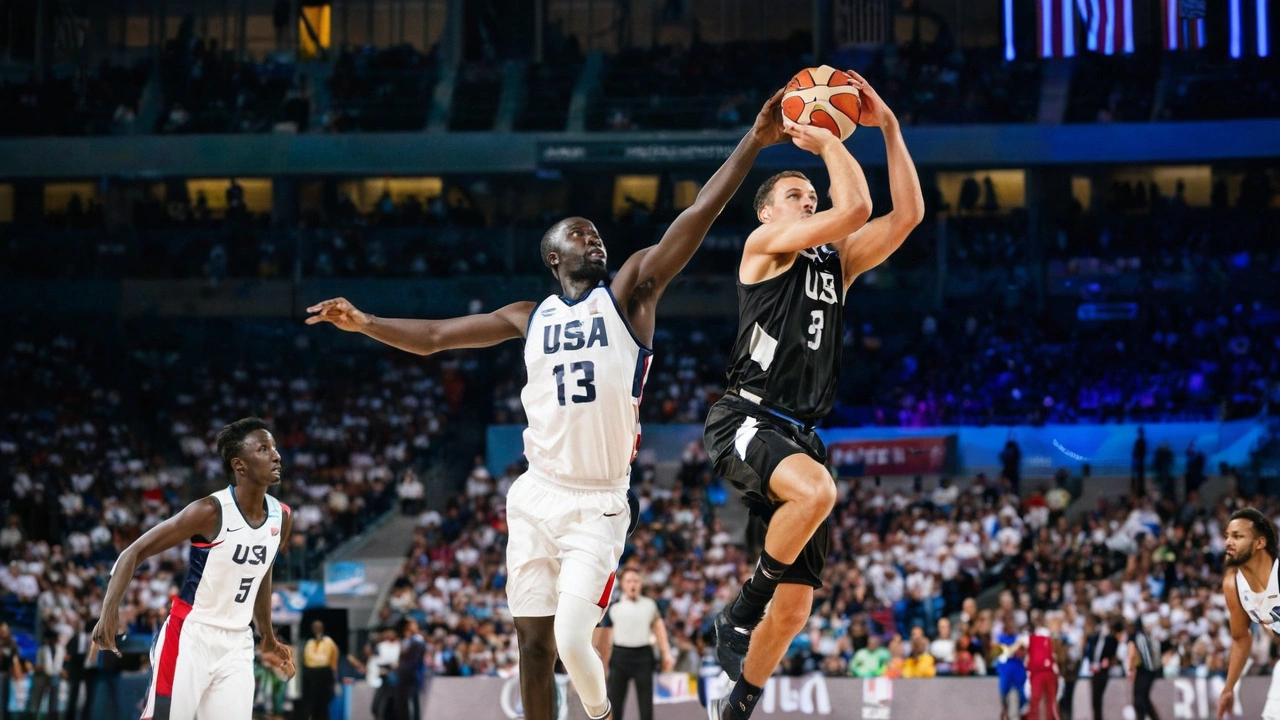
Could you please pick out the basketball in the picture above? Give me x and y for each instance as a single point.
(822, 96)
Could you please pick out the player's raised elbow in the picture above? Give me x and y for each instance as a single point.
(855, 215)
(910, 214)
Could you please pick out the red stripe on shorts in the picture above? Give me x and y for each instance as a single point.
(169, 653)
(608, 592)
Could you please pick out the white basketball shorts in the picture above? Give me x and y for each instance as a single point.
(200, 671)
(562, 540)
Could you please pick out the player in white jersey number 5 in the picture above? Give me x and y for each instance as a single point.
(587, 355)
(202, 659)
(1251, 584)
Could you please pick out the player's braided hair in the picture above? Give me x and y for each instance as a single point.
(1262, 525)
(766, 189)
(231, 441)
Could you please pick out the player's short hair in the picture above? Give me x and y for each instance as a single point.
(548, 244)
(1262, 525)
(766, 188)
(231, 441)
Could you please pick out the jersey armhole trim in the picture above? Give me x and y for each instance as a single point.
(200, 540)
(626, 322)
(528, 325)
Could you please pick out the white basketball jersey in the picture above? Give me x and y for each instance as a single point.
(1264, 607)
(224, 574)
(586, 375)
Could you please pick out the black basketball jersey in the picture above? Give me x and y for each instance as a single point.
(790, 333)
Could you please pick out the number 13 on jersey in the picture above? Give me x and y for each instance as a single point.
(587, 382)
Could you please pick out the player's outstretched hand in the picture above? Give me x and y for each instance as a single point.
(874, 112)
(808, 137)
(105, 632)
(278, 657)
(1226, 702)
(768, 126)
(340, 312)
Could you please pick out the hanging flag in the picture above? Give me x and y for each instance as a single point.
(1107, 26)
(1183, 26)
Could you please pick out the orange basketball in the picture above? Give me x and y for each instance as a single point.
(823, 97)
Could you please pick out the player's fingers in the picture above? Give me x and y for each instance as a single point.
(855, 76)
(326, 304)
(776, 98)
(314, 319)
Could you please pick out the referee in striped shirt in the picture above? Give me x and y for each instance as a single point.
(1146, 663)
(633, 624)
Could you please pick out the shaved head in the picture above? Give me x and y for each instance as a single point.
(551, 239)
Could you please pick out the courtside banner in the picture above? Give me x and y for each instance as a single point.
(1107, 448)
(1180, 698)
(894, 456)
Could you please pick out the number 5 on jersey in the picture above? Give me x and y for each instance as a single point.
(246, 584)
(587, 382)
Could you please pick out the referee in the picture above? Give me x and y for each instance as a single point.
(634, 623)
(319, 672)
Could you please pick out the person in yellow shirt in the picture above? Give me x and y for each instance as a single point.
(919, 664)
(319, 672)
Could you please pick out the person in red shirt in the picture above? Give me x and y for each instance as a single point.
(1042, 667)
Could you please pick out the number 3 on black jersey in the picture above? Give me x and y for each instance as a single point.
(587, 382)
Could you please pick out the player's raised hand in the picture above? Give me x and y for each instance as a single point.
(874, 112)
(808, 137)
(104, 633)
(768, 125)
(340, 312)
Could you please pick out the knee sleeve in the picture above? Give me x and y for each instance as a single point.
(575, 620)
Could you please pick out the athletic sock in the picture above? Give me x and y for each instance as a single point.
(743, 698)
(758, 591)
(608, 708)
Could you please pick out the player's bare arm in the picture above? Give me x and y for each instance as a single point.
(274, 653)
(424, 337)
(874, 242)
(202, 518)
(1241, 642)
(771, 248)
(643, 278)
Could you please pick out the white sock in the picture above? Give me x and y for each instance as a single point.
(575, 620)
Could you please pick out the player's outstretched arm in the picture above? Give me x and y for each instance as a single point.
(850, 199)
(274, 653)
(1241, 643)
(874, 242)
(658, 264)
(424, 337)
(201, 518)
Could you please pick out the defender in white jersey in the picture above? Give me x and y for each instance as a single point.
(202, 658)
(1252, 591)
(587, 354)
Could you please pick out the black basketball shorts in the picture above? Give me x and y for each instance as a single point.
(745, 443)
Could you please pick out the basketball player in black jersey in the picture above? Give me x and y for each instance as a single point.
(795, 270)
(574, 252)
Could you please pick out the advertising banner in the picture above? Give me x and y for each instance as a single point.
(796, 698)
(347, 578)
(893, 456)
(908, 450)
